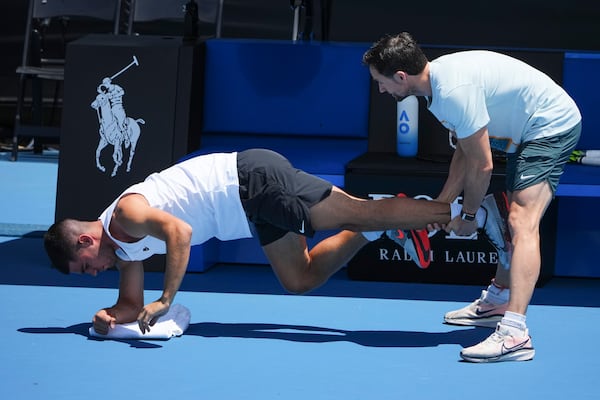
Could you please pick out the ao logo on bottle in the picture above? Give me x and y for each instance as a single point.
(407, 127)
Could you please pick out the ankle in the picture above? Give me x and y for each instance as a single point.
(497, 294)
(498, 285)
(515, 323)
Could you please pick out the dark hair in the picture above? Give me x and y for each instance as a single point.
(394, 53)
(60, 244)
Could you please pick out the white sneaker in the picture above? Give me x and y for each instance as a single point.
(478, 313)
(500, 346)
(496, 225)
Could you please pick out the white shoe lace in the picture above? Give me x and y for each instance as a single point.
(496, 337)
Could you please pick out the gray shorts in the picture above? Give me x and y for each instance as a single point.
(276, 196)
(541, 160)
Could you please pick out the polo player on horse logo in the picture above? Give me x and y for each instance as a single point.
(116, 128)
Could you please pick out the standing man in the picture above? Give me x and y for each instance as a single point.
(491, 101)
(232, 196)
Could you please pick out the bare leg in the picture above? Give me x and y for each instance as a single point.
(526, 211)
(527, 208)
(343, 211)
(300, 270)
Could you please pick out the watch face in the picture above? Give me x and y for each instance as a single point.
(467, 217)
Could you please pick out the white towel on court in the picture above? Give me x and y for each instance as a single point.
(173, 323)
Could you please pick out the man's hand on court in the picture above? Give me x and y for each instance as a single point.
(103, 322)
(150, 314)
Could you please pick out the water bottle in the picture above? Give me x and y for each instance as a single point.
(407, 127)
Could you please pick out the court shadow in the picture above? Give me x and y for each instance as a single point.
(83, 330)
(315, 334)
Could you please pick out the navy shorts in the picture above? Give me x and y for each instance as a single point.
(276, 196)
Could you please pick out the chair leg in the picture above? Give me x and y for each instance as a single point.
(18, 112)
(37, 111)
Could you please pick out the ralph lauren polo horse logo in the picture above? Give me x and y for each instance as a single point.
(116, 128)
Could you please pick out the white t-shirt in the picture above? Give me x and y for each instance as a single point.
(202, 191)
(516, 102)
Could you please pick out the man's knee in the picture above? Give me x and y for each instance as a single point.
(299, 284)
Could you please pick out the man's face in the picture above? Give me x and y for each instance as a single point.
(92, 260)
(395, 86)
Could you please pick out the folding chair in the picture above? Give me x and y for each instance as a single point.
(180, 13)
(37, 66)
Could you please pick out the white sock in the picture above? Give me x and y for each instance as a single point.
(372, 236)
(480, 215)
(497, 295)
(515, 323)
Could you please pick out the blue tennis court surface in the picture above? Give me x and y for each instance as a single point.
(249, 340)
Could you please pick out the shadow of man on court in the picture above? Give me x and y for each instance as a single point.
(295, 333)
(83, 330)
(314, 334)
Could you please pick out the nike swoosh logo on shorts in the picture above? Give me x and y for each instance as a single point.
(301, 230)
(523, 177)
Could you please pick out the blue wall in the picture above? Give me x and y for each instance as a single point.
(578, 235)
(280, 87)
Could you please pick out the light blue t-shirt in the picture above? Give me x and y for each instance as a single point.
(517, 103)
(202, 191)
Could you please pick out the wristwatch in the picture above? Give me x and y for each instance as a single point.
(467, 217)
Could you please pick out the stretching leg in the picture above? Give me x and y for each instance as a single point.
(343, 211)
(300, 270)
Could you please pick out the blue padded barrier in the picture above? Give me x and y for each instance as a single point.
(579, 181)
(578, 235)
(324, 157)
(581, 81)
(280, 87)
(307, 101)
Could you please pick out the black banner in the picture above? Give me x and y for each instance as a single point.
(453, 259)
